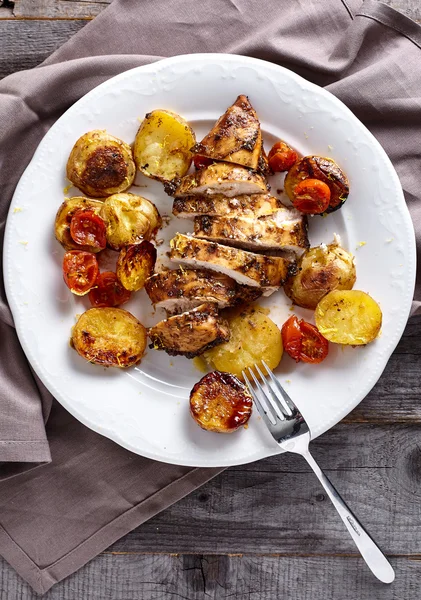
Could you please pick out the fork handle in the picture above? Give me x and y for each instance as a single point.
(371, 553)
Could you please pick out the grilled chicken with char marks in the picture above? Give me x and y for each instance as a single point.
(190, 333)
(247, 268)
(235, 137)
(181, 289)
(277, 231)
(218, 178)
(254, 205)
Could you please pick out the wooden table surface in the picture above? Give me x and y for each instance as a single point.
(262, 531)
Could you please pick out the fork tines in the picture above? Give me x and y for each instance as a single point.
(272, 401)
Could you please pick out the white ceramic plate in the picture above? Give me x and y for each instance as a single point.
(145, 409)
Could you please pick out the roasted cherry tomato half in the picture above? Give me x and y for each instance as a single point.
(292, 337)
(88, 229)
(282, 157)
(80, 270)
(311, 196)
(200, 162)
(108, 291)
(303, 341)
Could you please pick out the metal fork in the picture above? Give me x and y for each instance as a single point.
(290, 430)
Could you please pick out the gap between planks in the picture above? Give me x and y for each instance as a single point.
(415, 557)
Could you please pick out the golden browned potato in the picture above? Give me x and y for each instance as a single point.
(320, 270)
(348, 317)
(325, 169)
(111, 337)
(101, 164)
(162, 145)
(220, 402)
(63, 219)
(130, 219)
(254, 337)
(135, 264)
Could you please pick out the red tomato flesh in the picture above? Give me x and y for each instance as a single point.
(281, 157)
(80, 270)
(311, 196)
(108, 291)
(88, 229)
(303, 341)
(314, 347)
(292, 337)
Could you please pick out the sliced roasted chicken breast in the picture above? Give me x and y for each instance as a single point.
(235, 137)
(256, 270)
(255, 205)
(190, 333)
(219, 178)
(272, 232)
(181, 289)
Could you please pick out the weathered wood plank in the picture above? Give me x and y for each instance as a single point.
(172, 577)
(276, 506)
(88, 9)
(6, 12)
(59, 9)
(410, 8)
(395, 398)
(25, 44)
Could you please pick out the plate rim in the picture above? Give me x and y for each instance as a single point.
(18, 314)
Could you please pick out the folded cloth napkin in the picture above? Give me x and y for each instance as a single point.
(66, 493)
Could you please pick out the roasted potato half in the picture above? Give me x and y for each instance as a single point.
(111, 337)
(162, 145)
(130, 219)
(325, 169)
(135, 264)
(101, 164)
(320, 270)
(348, 317)
(254, 337)
(220, 402)
(64, 217)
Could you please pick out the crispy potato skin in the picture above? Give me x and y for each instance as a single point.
(101, 164)
(162, 145)
(111, 337)
(325, 169)
(64, 217)
(321, 270)
(254, 337)
(349, 317)
(220, 402)
(129, 219)
(135, 264)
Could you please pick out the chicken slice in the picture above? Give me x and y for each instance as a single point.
(256, 270)
(190, 333)
(263, 166)
(272, 232)
(235, 137)
(219, 178)
(254, 205)
(183, 289)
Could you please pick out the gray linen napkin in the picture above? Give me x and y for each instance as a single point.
(86, 491)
